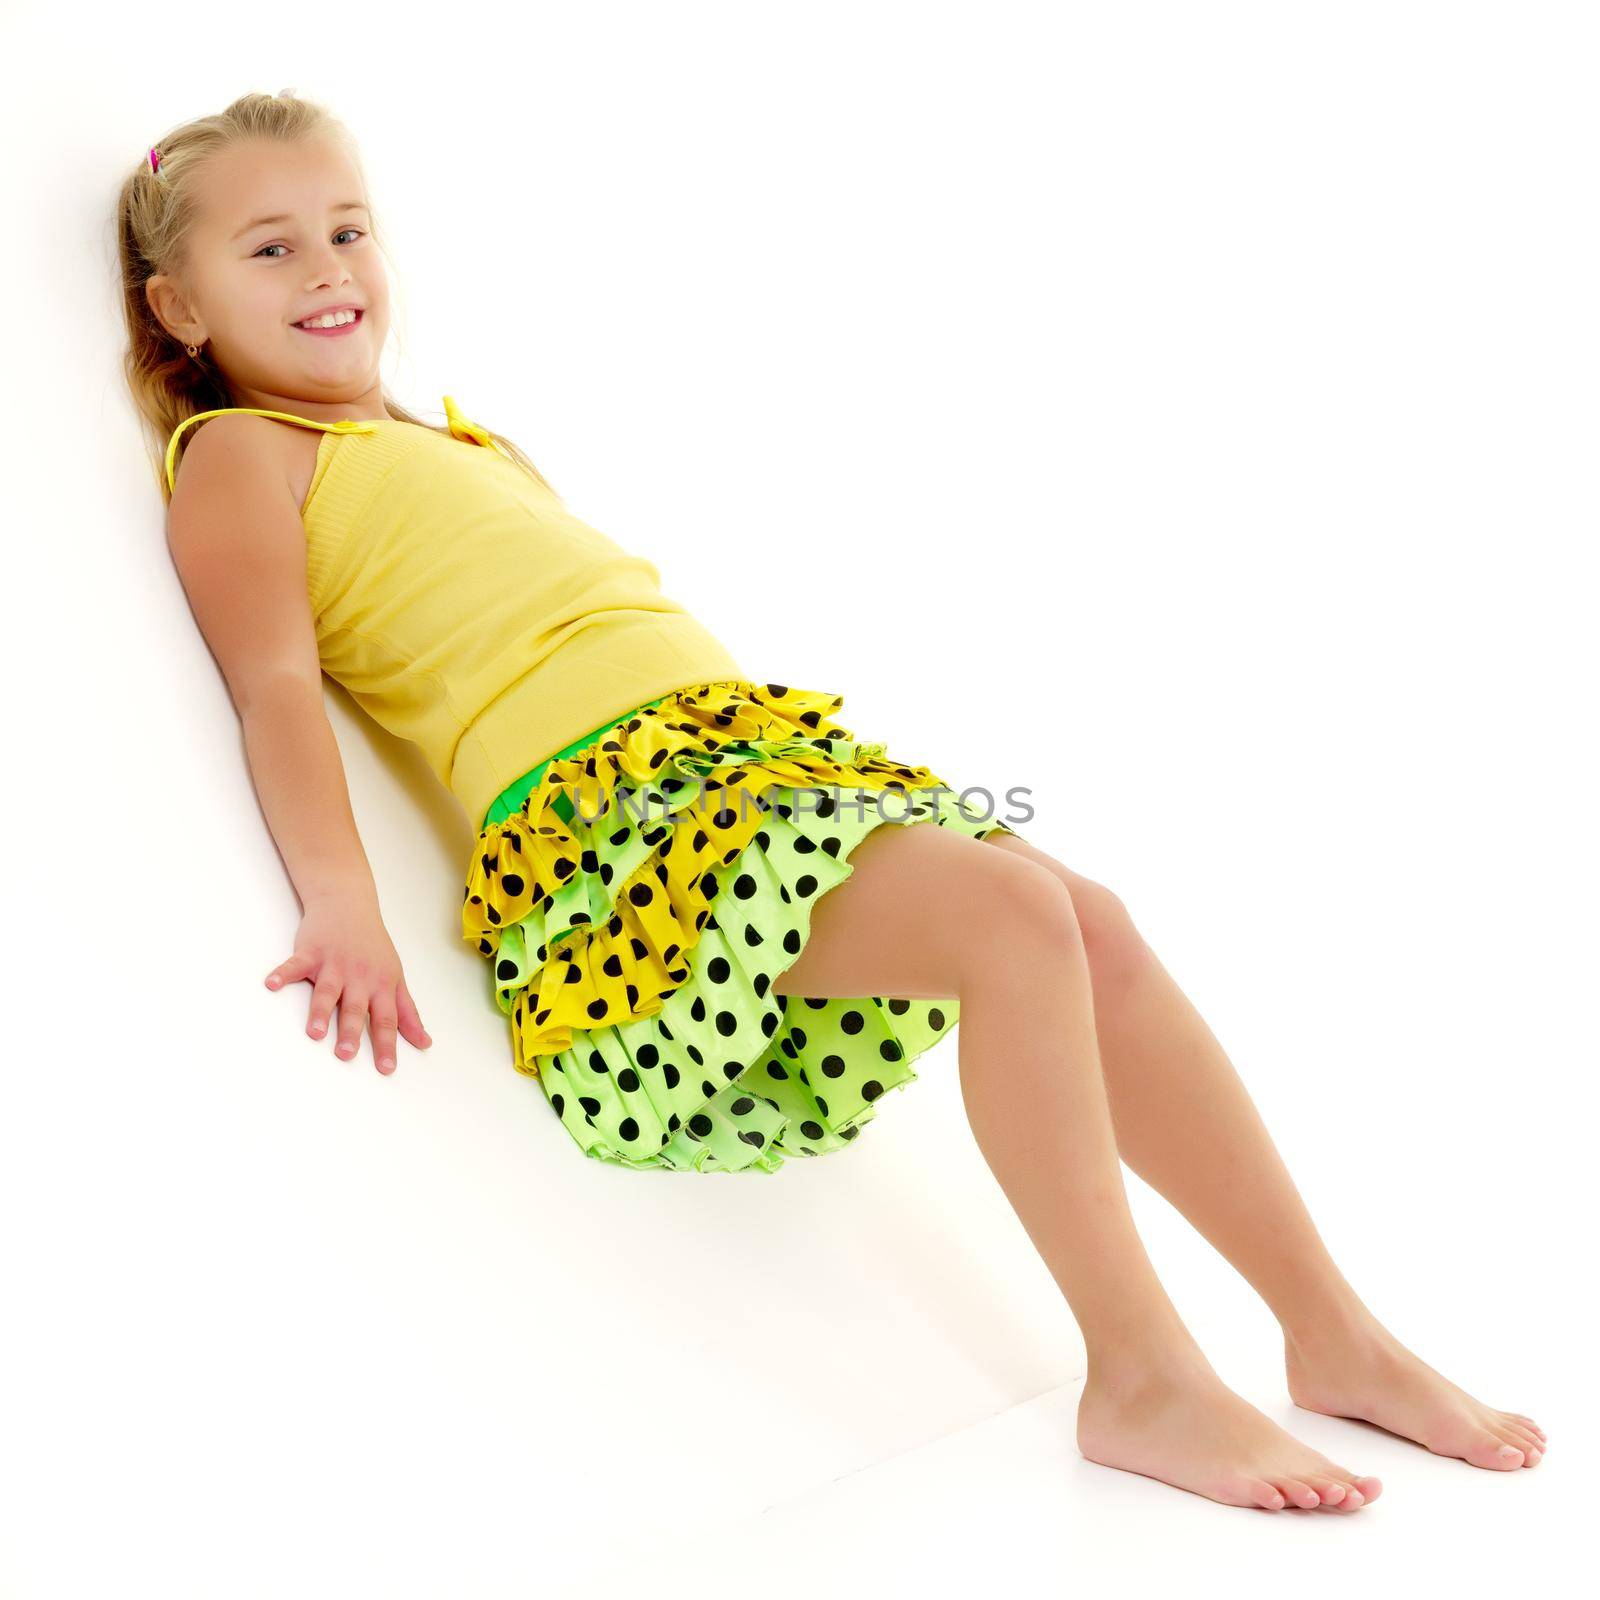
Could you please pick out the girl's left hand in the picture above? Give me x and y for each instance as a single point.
(344, 951)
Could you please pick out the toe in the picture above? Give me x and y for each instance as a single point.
(1263, 1494)
(1491, 1451)
(1329, 1490)
(1508, 1433)
(1298, 1492)
(1369, 1488)
(1519, 1438)
(1528, 1423)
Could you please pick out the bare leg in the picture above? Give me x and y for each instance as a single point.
(1186, 1125)
(929, 913)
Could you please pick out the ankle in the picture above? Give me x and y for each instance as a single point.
(1124, 1370)
(1344, 1325)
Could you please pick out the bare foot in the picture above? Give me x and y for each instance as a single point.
(1195, 1433)
(1370, 1375)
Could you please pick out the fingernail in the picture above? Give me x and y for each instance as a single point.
(386, 1062)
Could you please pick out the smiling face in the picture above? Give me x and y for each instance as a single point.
(282, 232)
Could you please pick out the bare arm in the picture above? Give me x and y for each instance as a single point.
(239, 546)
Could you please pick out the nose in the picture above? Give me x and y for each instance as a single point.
(330, 272)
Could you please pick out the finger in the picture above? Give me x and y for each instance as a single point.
(410, 1021)
(383, 1018)
(300, 965)
(352, 1021)
(323, 995)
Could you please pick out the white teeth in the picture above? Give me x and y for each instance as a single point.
(334, 319)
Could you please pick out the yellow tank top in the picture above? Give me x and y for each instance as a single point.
(465, 609)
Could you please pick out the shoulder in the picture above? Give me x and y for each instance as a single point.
(238, 452)
(233, 496)
(238, 544)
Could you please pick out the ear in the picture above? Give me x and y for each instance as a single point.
(167, 304)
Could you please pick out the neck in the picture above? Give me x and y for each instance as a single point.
(367, 406)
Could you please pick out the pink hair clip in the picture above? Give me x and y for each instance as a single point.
(155, 159)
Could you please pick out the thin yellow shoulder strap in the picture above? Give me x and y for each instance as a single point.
(463, 428)
(344, 425)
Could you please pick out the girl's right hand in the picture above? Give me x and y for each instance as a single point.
(344, 951)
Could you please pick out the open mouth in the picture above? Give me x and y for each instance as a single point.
(335, 330)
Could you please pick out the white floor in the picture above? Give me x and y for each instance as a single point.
(360, 1341)
(1009, 1503)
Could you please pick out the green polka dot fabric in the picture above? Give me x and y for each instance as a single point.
(703, 1068)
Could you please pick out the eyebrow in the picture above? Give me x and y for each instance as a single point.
(262, 222)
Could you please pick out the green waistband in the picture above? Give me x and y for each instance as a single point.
(512, 797)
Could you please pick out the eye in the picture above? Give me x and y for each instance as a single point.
(360, 233)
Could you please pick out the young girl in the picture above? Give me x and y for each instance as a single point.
(711, 917)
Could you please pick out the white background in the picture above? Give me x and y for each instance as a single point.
(1187, 412)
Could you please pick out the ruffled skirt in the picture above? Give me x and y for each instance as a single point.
(638, 904)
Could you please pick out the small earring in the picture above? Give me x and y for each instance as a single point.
(193, 350)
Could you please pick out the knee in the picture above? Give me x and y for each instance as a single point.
(1027, 905)
(1115, 948)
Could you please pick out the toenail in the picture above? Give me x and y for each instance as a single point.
(1506, 1450)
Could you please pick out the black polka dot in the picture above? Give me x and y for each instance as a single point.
(641, 992)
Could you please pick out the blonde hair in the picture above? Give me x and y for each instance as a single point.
(156, 211)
